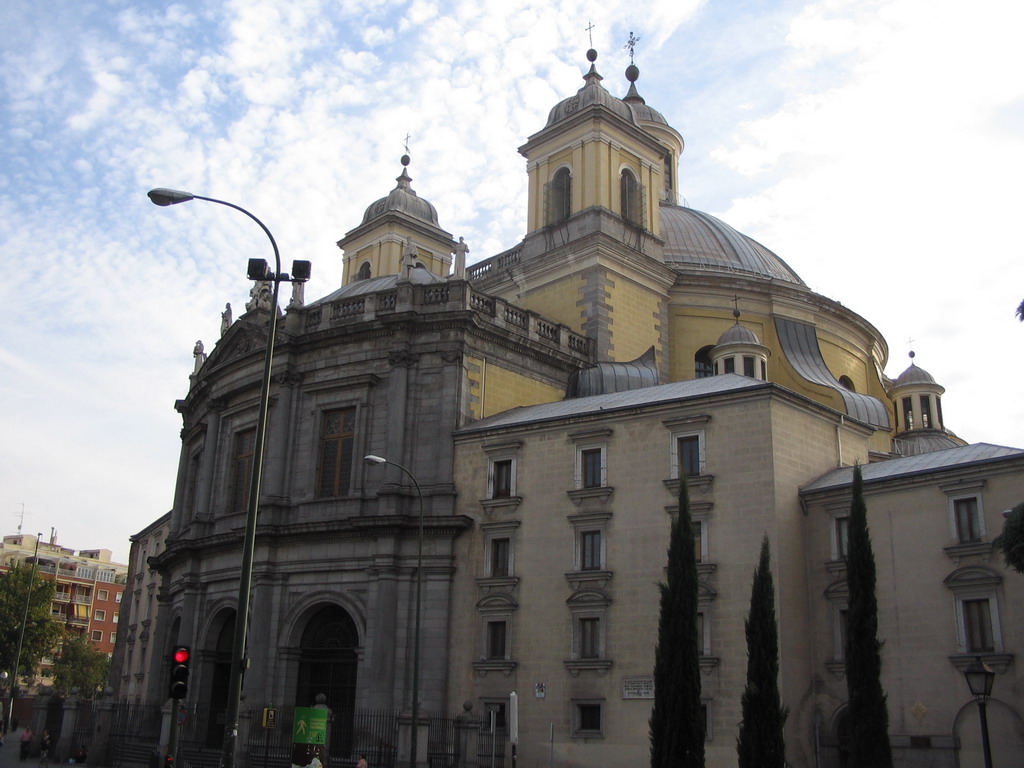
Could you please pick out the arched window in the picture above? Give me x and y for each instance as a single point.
(847, 383)
(702, 363)
(560, 196)
(364, 271)
(630, 198)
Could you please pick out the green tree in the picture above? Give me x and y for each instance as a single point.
(869, 716)
(761, 743)
(80, 665)
(677, 718)
(42, 632)
(1011, 541)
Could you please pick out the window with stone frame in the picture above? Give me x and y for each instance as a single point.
(337, 445)
(591, 470)
(501, 478)
(241, 468)
(976, 617)
(967, 521)
(501, 557)
(588, 718)
(976, 606)
(591, 550)
(497, 639)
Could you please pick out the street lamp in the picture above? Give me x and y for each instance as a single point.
(258, 270)
(374, 461)
(979, 679)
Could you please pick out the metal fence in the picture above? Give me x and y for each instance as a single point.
(134, 735)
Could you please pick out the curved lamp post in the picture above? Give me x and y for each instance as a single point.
(979, 679)
(374, 461)
(258, 270)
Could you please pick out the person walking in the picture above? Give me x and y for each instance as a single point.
(45, 744)
(26, 742)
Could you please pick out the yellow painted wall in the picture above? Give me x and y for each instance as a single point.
(503, 388)
(557, 301)
(634, 317)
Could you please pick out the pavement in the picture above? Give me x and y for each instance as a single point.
(12, 746)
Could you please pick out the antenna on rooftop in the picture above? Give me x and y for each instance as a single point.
(22, 516)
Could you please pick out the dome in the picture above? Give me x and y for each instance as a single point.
(591, 94)
(641, 111)
(914, 375)
(698, 240)
(737, 334)
(402, 200)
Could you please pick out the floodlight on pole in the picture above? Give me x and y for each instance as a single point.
(377, 461)
(239, 660)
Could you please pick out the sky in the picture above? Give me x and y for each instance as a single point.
(877, 146)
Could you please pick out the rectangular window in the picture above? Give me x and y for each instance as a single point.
(842, 537)
(113, 637)
(689, 455)
(97, 635)
(101, 616)
(589, 717)
(241, 475)
(502, 475)
(748, 366)
(591, 467)
(500, 561)
(698, 540)
(730, 365)
(117, 597)
(967, 520)
(195, 463)
(926, 411)
(589, 629)
(978, 625)
(494, 711)
(102, 595)
(117, 617)
(590, 551)
(337, 441)
(496, 635)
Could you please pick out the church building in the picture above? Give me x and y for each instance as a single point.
(548, 399)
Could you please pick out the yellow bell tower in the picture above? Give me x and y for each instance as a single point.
(592, 257)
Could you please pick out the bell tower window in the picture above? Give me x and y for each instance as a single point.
(559, 192)
(631, 202)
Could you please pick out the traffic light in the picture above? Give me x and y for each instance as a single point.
(180, 659)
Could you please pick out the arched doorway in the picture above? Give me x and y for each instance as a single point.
(327, 665)
(219, 674)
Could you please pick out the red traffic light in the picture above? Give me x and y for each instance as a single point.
(182, 655)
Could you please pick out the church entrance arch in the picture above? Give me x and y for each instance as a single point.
(327, 665)
(218, 672)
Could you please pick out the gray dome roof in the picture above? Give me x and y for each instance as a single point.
(641, 110)
(403, 200)
(914, 375)
(591, 94)
(737, 334)
(923, 441)
(695, 239)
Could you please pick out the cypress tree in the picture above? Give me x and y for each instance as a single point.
(761, 743)
(869, 717)
(677, 719)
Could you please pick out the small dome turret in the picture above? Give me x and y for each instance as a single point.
(740, 351)
(403, 199)
(917, 400)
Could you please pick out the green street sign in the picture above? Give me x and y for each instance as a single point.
(310, 726)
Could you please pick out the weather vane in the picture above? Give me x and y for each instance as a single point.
(590, 27)
(631, 45)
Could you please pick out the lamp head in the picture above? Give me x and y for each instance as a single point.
(979, 678)
(371, 459)
(161, 196)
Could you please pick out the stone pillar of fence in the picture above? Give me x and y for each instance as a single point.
(467, 731)
(165, 725)
(405, 737)
(103, 710)
(64, 745)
